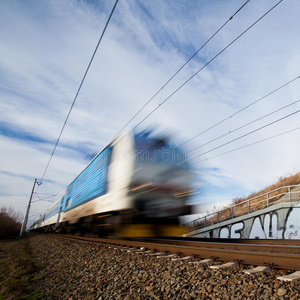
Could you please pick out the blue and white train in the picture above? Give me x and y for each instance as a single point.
(137, 185)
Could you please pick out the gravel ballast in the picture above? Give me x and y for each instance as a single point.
(71, 269)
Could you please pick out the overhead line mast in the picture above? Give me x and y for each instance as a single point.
(24, 224)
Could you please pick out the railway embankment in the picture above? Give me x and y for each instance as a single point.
(17, 271)
(273, 215)
(72, 269)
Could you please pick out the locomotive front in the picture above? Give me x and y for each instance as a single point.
(161, 183)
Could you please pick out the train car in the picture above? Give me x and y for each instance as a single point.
(52, 216)
(137, 185)
(37, 224)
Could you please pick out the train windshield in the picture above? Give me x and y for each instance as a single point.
(159, 151)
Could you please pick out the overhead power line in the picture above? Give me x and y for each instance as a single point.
(236, 149)
(182, 67)
(244, 135)
(211, 60)
(243, 126)
(239, 111)
(81, 83)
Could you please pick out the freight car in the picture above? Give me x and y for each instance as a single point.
(138, 185)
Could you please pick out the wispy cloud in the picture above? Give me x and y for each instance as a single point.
(46, 46)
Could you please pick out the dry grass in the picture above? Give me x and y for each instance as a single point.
(283, 181)
(17, 271)
(253, 202)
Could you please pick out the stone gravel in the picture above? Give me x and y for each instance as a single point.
(72, 269)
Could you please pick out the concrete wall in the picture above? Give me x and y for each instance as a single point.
(280, 221)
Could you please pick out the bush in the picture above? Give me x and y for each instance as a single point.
(10, 224)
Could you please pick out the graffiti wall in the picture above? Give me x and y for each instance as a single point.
(266, 226)
(282, 223)
(292, 226)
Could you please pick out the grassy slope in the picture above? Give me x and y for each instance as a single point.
(282, 181)
(241, 204)
(17, 271)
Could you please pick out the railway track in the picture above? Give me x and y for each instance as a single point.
(278, 256)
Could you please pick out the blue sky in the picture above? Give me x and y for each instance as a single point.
(45, 49)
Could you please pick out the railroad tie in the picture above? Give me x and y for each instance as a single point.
(131, 250)
(258, 269)
(144, 252)
(290, 277)
(167, 256)
(202, 262)
(182, 258)
(156, 254)
(227, 265)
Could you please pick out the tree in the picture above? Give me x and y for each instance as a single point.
(10, 224)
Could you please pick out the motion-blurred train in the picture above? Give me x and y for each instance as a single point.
(137, 186)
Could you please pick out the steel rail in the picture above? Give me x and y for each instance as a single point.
(255, 256)
(274, 242)
(294, 249)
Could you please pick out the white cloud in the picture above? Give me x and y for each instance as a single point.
(46, 46)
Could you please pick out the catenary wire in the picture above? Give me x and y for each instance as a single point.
(239, 111)
(44, 194)
(138, 112)
(68, 115)
(43, 199)
(211, 60)
(244, 135)
(243, 126)
(49, 196)
(254, 143)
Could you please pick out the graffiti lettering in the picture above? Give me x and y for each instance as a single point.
(292, 226)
